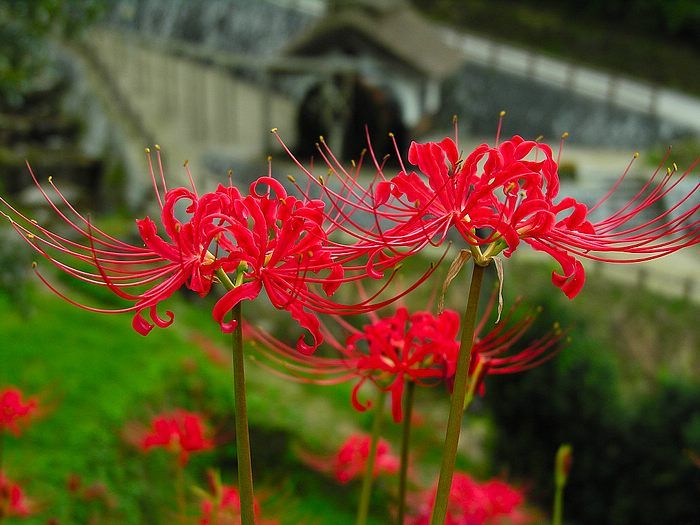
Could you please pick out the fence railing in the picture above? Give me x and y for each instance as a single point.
(614, 89)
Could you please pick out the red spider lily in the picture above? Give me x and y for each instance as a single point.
(500, 195)
(14, 411)
(473, 503)
(350, 461)
(266, 239)
(13, 501)
(223, 507)
(355, 211)
(143, 275)
(419, 347)
(180, 432)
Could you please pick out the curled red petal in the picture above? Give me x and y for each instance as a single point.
(230, 299)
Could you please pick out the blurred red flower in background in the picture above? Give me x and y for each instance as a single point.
(13, 501)
(472, 503)
(14, 412)
(350, 460)
(180, 432)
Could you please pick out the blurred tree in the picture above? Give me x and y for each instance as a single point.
(24, 28)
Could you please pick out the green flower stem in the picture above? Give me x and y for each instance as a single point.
(180, 491)
(2, 502)
(459, 394)
(245, 470)
(562, 465)
(366, 493)
(557, 511)
(405, 448)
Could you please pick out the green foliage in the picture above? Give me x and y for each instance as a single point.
(24, 25)
(621, 36)
(632, 446)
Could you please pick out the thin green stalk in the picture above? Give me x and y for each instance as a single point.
(405, 448)
(366, 493)
(459, 394)
(245, 471)
(562, 465)
(180, 491)
(558, 509)
(2, 503)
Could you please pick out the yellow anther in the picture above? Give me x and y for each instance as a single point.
(34, 264)
(30, 236)
(675, 167)
(502, 113)
(147, 150)
(539, 137)
(565, 134)
(269, 158)
(186, 163)
(391, 134)
(668, 171)
(34, 221)
(273, 130)
(454, 119)
(50, 179)
(320, 179)
(291, 179)
(320, 138)
(352, 163)
(636, 154)
(157, 147)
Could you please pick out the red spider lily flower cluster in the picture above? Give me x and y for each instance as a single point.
(419, 347)
(13, 501)
(223, 505)
(500, 195)
(180, 432)
(472, 503)
(265, 239)
(350, 460)
(14, 411)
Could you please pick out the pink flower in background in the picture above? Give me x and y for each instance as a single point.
(472, 503)
(223, 506)
(14, 412)
(179, 432)
(13, 501)
(350, 461)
